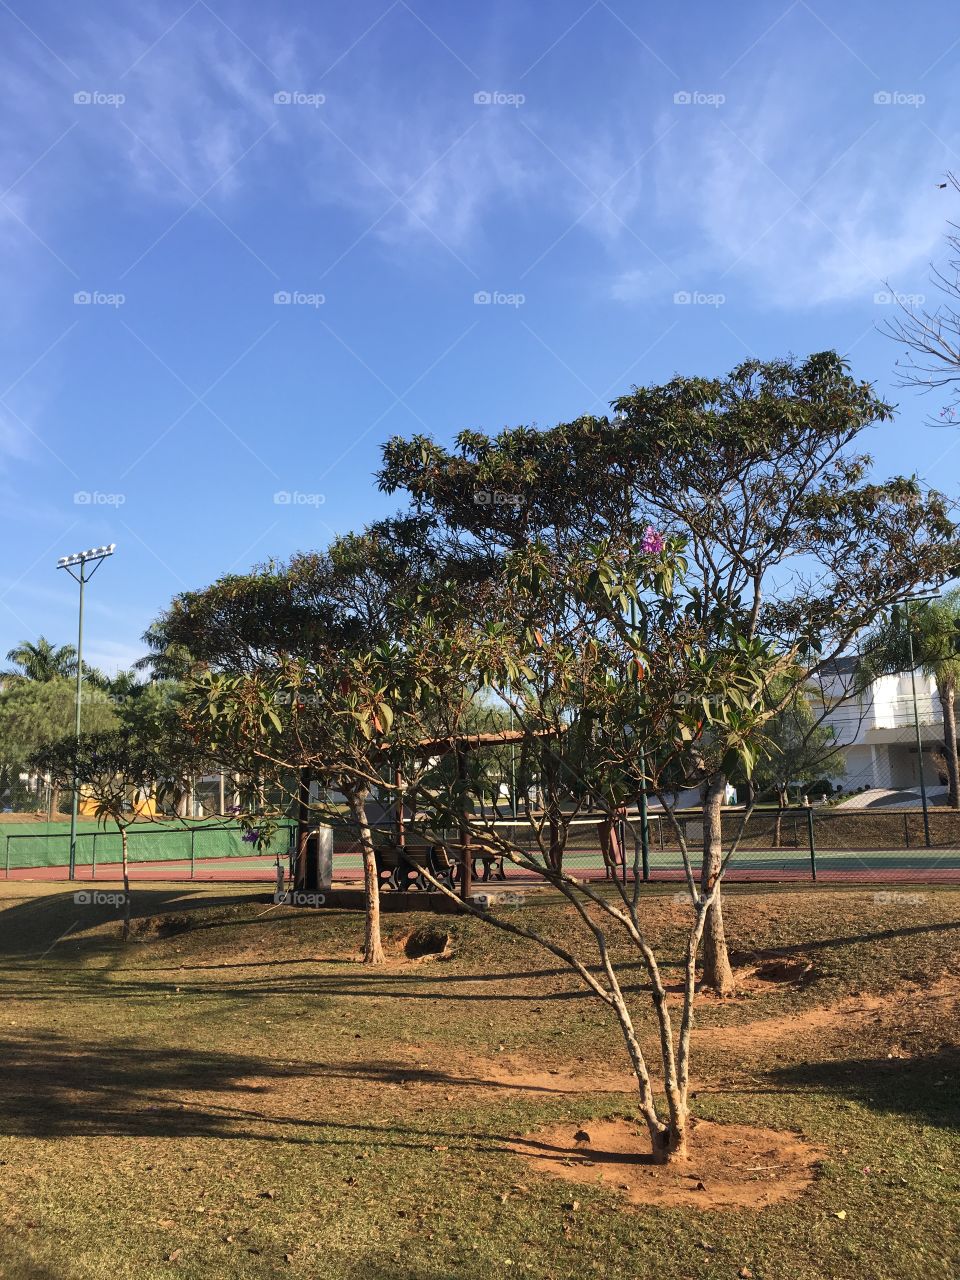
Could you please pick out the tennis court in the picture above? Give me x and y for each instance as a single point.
(832, 865)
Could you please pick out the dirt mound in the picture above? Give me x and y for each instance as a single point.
(756, 970)
(729, 1166)
(796, 970)
(427, 942)
(167, 926)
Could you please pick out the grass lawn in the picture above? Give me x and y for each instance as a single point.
(233, 1095)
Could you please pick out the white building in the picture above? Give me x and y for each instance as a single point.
(876, 731)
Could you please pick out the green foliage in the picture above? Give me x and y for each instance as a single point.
(41, 660)
(932, 627)
(35, 713)
(120, 768)
(777, 551)
(797, 746)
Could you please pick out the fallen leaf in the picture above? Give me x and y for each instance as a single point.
(172, 1257)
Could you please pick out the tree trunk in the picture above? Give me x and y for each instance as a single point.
(670, 1144)
(372, 945)
(717, 973)
(303, 829)
(126, 884)
(946, 690)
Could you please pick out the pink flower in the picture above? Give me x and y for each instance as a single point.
(653, 542)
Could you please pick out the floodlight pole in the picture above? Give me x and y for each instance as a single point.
(80, 561)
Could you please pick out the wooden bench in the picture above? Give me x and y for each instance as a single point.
(401, 867)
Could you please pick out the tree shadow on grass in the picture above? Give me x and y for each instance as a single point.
(55, 1086)
(853, 939)
(923, 1088)
(32, 925)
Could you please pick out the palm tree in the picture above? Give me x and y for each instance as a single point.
(933, 626)
(42, 661)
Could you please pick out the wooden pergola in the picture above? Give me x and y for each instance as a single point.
(460, 745)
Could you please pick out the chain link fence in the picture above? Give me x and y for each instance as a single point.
(777, 844)
(788, 844)
(202, 850)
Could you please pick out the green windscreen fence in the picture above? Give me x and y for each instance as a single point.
(47, 844)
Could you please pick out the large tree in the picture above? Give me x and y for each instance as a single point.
(320, 639)
(595, 697)
(789, 541)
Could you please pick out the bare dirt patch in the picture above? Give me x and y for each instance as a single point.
(515, 1072)
(842, 1016)
(729, 1166)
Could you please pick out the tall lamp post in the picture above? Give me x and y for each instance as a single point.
(81, 567)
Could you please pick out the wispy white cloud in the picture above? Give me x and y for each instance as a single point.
(194, 105)
(796, 213)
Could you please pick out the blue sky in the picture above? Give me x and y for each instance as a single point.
(380, 165)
